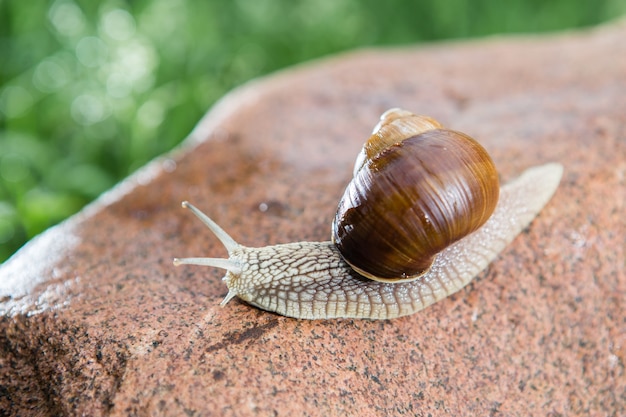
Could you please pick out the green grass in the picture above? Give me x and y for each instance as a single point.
(90, 91)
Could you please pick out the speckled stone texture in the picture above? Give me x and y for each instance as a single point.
(97, 321)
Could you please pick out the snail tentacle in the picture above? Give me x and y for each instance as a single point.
(221, 263)
(229, 243)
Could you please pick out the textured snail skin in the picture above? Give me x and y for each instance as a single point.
(309, 280)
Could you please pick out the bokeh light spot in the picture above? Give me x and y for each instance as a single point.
(131, 69)
(118, 85)
(151, 113)
(49, 76)
(169, 165)
(67, 18)
(91, 51)
(118, 24)
(88, 109)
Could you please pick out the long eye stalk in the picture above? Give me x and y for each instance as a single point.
(229, 243)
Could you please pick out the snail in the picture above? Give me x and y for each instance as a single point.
(423, 215)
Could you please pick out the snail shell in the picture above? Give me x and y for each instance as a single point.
(314, 280)
(417, 189)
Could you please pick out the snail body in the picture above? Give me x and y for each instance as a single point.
(413, 254)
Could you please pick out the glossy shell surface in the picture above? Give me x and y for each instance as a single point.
(413, 199)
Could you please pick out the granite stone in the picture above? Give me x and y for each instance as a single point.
(95, 320)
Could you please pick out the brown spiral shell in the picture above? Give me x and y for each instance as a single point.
(417, 188)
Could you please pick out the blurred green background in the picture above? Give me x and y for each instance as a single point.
(91, 91)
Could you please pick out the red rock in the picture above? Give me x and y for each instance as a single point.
(97, 321)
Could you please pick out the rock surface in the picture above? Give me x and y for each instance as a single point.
(97, 321)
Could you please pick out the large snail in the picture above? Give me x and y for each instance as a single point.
(422, 216)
